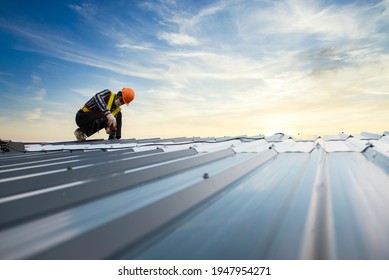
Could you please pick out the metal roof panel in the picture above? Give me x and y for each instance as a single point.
(276, 197)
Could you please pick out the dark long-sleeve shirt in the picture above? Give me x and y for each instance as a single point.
(98, 103)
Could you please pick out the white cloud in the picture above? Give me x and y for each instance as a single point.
(40, 95)
(34, 115)
(177, 39)
(145, 47)
(35, 79)
(85, 92)
(307, 18)
(187, 22)
(85, 9)
(48, 43)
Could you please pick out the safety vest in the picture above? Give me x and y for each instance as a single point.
(109, 106)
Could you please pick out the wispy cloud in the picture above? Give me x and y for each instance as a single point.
(48, 43)
(34, 114)
(85, 92)
(84, 9)
(177, 39)
(145, 47)
(39, 95)
(35, 79)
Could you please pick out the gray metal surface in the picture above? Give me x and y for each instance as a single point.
(275, 197)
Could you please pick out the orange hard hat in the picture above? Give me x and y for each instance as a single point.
(128, 95)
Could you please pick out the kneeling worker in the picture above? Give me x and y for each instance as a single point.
(103, 111)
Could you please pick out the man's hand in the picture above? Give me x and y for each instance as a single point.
(111, 120)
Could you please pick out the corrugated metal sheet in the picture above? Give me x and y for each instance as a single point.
(261, 197)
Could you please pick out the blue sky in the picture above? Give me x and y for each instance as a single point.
(199, 68)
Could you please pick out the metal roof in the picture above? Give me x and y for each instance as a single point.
(260, 197)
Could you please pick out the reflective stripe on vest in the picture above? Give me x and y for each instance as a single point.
(109, 106)
(86, 109)
(116, 111)
(110, 101)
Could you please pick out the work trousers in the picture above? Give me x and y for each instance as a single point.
(91, 122)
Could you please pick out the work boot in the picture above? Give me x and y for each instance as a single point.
(111, 131)
(80, 135)
(112, 136)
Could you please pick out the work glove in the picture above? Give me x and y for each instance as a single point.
(111, 120)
